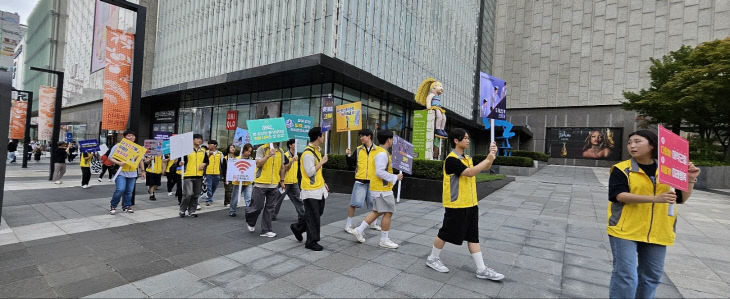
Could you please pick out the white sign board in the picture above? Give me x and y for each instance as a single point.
(242, 170)
(181, 145)
(102, 149)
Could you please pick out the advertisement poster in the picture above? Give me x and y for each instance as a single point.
(104, 15)
(153, 146)
(128, 152)
(181, 145)
(89, 146)
(17, 119)
(242, 170)
(423, 134)
(402, 158)
(584, 143)
(298, 126)
(46, 102)
(349, 117)
(241, 137)
(325, 121)
(492, 97)
(673, 162)
(116, 89)
(267, 130)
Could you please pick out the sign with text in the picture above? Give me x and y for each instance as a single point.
(267, 130)
(231, 119)
(154, 147)
(161, 135)
(46, 103)
(423, 121)
(242, 170)
(402, 158)
(241, 137)
(116, 92)
(165, 116)
(166, 147)
(69, 137)
(298, 126)
(181, 145)
(673, 162)
(349, 117)
(89, 146)
(327, 114)
(128, 152)
(17, 119)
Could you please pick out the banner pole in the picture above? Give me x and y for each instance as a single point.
(348, 139)
(491, 131)
(326, 141)
(240, 187)
(670, 211)
(399, 183)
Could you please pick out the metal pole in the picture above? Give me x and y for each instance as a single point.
(56, 114)
(5, 81)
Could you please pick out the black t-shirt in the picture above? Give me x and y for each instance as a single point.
(619, 183)
(453, 165)
(12, 146)
(60, 155)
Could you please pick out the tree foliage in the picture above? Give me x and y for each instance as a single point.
(690, 91)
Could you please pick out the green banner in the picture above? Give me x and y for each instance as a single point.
(262, 131)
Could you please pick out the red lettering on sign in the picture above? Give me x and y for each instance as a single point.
(231, 119)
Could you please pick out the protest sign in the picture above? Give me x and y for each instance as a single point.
(242, 170)
(241, 137)
(348, 117)
(161, 135)
(673, 162)
(181, 145)
(89, 146)
(154, 147)
(267, 130)
(128, 152)
(166, 147)
(402, 158)
(298, 126)
(492, 97)
(326, 116)
(102, 149)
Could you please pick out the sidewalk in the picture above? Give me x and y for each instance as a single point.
(546, 233)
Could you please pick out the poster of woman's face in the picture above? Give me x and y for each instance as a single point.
(583, 143)
(268, 110)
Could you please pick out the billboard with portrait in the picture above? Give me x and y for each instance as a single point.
(596, 143)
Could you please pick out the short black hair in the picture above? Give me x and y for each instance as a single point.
(127, 132)
(213, 142)
(197, 136)
(314, 133)
(290, 142)
(456, 133)
(366, 132)
(651, 137)
(384, 135)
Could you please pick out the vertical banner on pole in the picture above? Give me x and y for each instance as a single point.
(105, 15)
(423, 121)
(326, 117)
(46, 109)
(17, 119)
(117, 81)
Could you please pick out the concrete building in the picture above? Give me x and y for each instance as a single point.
(568, 62)
(10, 36)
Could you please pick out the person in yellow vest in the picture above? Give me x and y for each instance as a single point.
(126, 178)
(246, 152)
(459, 197)
(314, 191)
(638, 225)
(381, 190)
(85, 163)
(213, 170)
(193, 168)
(270, 173)
(154, 174)
(291, 181)
(360, 160)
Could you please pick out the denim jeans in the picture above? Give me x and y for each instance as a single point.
(124, 187)
(637, 268)
(212, 182)
(245, 193)
(361, 196)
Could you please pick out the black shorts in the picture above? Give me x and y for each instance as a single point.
(153, 179)
(461, 224)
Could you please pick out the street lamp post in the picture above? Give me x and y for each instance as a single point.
(26, 138)
(56, 113)
(5, 79)
(135, 105)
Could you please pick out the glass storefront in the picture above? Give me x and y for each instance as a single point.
(207, 116)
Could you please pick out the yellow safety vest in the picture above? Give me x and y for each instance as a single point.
(170, 164)
(214, 163)
(156, 165)
(459, 191)
(85, 160)
(314, 182)
(236, 182)
(192, 165)
(377, 184)
(291, 174)
(269, 172)
(363, 162)
(642, 222)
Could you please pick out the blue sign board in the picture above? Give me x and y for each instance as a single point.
(89, 146)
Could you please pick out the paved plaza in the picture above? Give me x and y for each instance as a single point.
(545, 232)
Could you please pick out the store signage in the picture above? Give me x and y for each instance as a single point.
(165, 116)
(231, 119)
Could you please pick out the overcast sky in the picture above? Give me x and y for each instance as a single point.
(22, 7)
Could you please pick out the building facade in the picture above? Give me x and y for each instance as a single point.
(568, 62)
(10, 36)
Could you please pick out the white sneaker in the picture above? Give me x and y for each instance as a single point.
(269, 235)
(387, 243)
(109, 180)
(251, 228)
(57, 182)
(375, 226)
(436, 264)
(112, 211)
(99, 180)
(358, 236)
(489, 273)
(349, 229)
(169, 194)
(198, 208)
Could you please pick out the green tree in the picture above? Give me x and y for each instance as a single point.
(690, 91)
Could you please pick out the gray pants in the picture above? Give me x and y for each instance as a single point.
(292, 190)
(262, 199)
(191, 189)
(59, 169)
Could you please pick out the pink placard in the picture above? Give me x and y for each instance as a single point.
(673, 159)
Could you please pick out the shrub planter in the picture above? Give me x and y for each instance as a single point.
(341, 181)
(713, 177)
